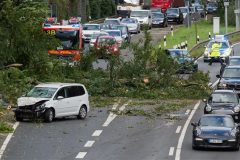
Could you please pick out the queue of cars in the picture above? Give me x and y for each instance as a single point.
(219, 127)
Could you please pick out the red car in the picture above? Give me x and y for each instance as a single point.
(109, 42)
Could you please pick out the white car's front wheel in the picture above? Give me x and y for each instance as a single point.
(82, 113)
(49, 115)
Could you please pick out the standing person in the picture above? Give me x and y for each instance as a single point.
(215, 53)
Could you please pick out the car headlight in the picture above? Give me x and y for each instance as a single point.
(115, 49)
(198, 131)
(236, 109)
(42, 106)
(208, 108)
(233, 132)
(222, 85)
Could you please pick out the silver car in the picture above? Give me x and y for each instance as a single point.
(132, 24)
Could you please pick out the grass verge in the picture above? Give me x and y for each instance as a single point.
(202, 28)
(6, 120)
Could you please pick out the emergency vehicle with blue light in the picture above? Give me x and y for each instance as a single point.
(225, 50)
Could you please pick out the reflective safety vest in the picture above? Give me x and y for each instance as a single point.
(215, 50)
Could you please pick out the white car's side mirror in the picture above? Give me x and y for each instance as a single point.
(60, 97)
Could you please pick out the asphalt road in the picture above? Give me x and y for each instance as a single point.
(107, 137)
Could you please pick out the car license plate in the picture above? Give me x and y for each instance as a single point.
(215, 141)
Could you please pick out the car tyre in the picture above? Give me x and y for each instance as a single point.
(49, 115)
(82, 114)
(236, 148)
(19, 119)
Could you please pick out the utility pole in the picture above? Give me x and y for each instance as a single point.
(188, 15)
(226, 4)
(237, 12)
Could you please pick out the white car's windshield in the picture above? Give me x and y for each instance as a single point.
(223, 45)
(91, 27)
(41, 92)
(139, 14)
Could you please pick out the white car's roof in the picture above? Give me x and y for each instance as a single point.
(57, 85)
(91, 24)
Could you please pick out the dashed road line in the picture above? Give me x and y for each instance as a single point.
(7, 140)
(171, 151)
(178, 129)
(110, 118)
(81, 155)
(181, 138)
(97, 133)
(89, 144)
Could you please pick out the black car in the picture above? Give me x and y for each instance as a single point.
(215, 131)
(230, 61)
(229, 78)
(187, 64)
(174, 15)
(159, 19)
(223, 102)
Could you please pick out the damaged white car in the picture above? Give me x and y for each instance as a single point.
(52, 100)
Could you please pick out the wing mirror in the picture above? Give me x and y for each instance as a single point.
(218, 76)
(194, 124)
(60, 97)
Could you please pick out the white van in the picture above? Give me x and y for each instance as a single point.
(144, 17)
(52, 100)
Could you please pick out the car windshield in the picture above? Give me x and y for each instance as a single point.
(157, 15)
(217, 121)
(199, 7)
(231, 73)
(68, 39)
(128, 20)
(114, 33)
(234, 61)
(178, 53)
(95, 35)
(192, 9)
(41, 92)
(112, 22)
(212, 5)
(223, 98)
(91, 27)
(184, 10)
(139, 14)
(106, 41)
(223, 45)
(172, 10)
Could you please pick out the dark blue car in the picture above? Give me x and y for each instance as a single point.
(215, 131)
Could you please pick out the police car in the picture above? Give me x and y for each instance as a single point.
(225, 50)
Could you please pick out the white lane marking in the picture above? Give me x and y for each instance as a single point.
(89, 143)
(97, 133)
(171, 151)
(7, 140)
(81, 155)
(187, 112)
(178, 129)
(181, 138)
(110, 118)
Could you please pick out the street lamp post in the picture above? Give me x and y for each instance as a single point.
(226, 4)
